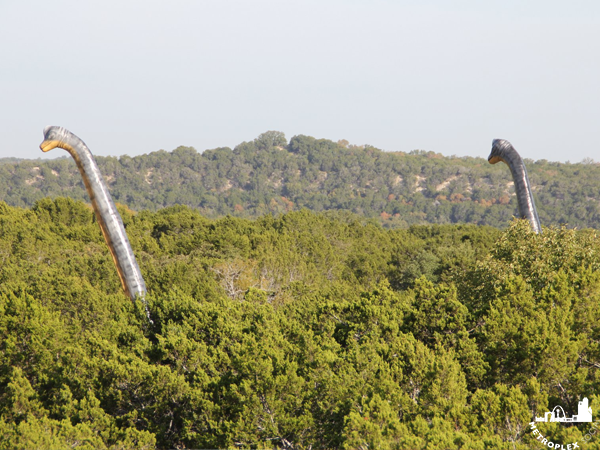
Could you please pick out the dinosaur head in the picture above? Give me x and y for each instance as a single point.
(499, 149)
(57, 137)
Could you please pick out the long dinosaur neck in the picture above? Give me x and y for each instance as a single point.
(527, 209)
(107, 215)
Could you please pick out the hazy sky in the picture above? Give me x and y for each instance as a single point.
(132, 77)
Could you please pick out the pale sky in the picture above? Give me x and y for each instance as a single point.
(132, 77)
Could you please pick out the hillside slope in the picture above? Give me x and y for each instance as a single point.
(270, 174)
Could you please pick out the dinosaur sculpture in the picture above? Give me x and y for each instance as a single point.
(503, 150)
(107, 215)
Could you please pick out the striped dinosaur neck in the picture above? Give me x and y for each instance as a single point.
(502, 150)
(106, 213)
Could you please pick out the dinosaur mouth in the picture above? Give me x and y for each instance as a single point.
(494, 159)
(48, 145)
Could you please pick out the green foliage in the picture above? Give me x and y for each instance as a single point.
(272, 175)
(301, 330)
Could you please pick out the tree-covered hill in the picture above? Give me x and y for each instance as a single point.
(297, 331)
(270, 174)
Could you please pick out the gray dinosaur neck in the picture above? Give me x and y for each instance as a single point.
(106, 213)
(525, 201)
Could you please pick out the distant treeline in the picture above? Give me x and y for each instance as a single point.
(273, 175)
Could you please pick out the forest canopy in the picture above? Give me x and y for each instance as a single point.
(272, 175)
(298, 330)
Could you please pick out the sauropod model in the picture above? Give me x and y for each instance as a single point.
(503, 150)
(107, 215)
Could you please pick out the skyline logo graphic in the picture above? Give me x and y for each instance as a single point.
(584, 414)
